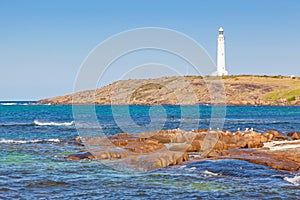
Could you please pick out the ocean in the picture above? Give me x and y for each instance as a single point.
(34, 139)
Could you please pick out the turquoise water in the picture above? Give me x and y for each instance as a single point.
(35, 138)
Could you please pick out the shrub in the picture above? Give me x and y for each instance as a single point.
(291, 99)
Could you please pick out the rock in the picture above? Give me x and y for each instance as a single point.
(110, 154)
(209, 142)
(213, 154)
(179, 147)
(277, 160)
(154, 161)
(126, 141)
(242, 143)
(195, 146)
(80, 156)
(279, 138)
(273, 132)
(294, 135)
(78, 139)
(219, 146)
(263, 139)
(169, 136)
(269, 136)
(157, 149)
(249, 139)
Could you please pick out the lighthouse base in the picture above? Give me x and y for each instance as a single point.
(220, 73)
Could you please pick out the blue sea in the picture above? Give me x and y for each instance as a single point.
(34, 139)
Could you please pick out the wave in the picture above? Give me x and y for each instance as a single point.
(16, 104)
(255, 121)
(37, 123)
(205, 172)
(209, 173)
(234, 121)
(17, 124)
(294, 180)
(8, 104)
(4, 141)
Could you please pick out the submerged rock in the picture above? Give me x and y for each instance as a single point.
(80, 156)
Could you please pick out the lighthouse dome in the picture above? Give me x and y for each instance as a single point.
(221, 31)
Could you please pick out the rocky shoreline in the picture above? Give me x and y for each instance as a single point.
(151, 150)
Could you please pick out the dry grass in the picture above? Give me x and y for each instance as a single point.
(240, 90)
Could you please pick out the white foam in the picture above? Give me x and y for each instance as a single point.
(16, 124)
(4, 141)
(191, 169)
(281, 145)
(36, 122)
(294, 180)
(14, 104)
(8, 104)
(209, 173)
(53, 140)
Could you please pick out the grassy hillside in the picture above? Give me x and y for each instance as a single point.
(239, 90)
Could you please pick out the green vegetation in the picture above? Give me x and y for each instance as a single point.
(250, 76)
(292, 99)
(289, 94)
(193, 77)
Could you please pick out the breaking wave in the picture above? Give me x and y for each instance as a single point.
(8, 104)
(37, 123)
(17, 124)
(209, 173)
(294, 180)
(4, 141)
(17, 103)
(255, 121)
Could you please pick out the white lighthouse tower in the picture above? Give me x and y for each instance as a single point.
(221, 64)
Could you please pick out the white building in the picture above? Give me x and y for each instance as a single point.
(221, 61)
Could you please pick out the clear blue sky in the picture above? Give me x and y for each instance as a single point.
(43, 43)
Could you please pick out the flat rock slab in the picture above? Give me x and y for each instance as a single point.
(281, 160)
(157, 149)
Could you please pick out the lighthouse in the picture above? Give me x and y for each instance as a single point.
(221, 61)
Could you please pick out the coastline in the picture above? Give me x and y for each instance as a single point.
(190, 90)
(158, 149)
(35, 140)
(208, 105)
